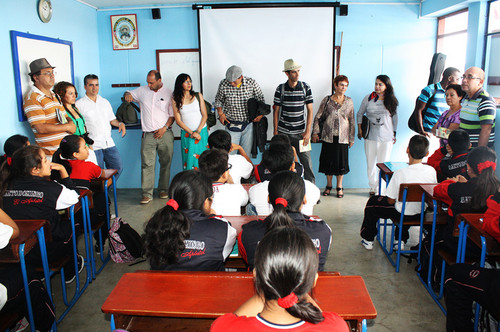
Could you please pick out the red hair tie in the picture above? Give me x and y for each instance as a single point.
(486, 164)
(9, 161)
(288, 301)
(282, 201)
(173, 203)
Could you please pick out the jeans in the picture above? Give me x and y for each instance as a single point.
(304, 157)
(243, 138)
(111, 158)
(149, 147)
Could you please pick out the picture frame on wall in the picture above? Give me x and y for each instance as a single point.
(125, 34)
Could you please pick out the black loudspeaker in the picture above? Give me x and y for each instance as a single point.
(157, 14)
(343, 10)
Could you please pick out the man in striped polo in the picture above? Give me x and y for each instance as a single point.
(293, 121)
(45, 114)
(477, 116)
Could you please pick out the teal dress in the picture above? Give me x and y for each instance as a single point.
(79, 123)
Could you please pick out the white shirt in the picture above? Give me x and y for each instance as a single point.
(259, 198)
(156, 108)
(416, 173)
(240, 168)
(228, 199)
(191, 115)
(5, 234)
(97, 117)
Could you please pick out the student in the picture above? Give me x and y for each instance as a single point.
(12, 296)
(12, 144)
(287, 195)
(27, 194)
(184, 235)
(278, 157)
(450, 160)
(228, 198)
(241, 164)
(262, 173)
(284, 274)
(388, 206)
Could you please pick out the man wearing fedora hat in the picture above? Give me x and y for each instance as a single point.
(231, 103)
(45, 114)
(291, 97)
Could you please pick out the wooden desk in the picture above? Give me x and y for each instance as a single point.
(173, 301)
(473, 229)
(385, 172)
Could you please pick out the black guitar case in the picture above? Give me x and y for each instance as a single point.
(437, 68)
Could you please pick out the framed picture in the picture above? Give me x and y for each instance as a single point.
(124, 32)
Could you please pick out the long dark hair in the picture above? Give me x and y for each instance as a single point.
(179, 90)
(285, 262)
(487, 182)
(289, 186)
(390, 100)
(23, 162)
(12, 144)
(166, 231)
(69, 145)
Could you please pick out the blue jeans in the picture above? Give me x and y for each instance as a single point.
(243, 138)
(111, 158)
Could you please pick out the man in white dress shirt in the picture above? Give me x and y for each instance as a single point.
(157, 117)
(99, 118)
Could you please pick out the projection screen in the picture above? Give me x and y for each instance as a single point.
(259, 40)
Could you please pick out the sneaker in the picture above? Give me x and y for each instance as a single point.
(367, 244)
(81, 264)
(163, 194)
(395, 246)
(22, 325)
(146, 199)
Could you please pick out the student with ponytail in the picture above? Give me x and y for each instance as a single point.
(12, 144)
(286, 195)
(284, 274)
(184, 235)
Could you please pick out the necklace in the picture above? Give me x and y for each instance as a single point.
(338, 100)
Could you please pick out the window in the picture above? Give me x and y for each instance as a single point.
(492, 61)
(452, 38)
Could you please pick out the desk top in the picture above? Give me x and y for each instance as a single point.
(107, 174)
(27, 235)
(238, 221)
(212, 294)
(475, 221)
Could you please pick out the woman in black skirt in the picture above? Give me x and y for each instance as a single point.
(334, 125)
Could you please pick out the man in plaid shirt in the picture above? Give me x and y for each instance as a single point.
(231, 103)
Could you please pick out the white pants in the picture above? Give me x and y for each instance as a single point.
(376, 152)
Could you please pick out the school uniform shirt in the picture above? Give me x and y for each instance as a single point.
(491, 220)
(83, 171)
(240, 168)
(5, 234)
(37, 198)
(263, 174)
(211, 240)
(228, 199)
(232, 322)
(318, 230)
(448, 166)
(416, 173)
(456, 195)
(258, 195)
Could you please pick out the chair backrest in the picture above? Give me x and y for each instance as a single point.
(414, 192)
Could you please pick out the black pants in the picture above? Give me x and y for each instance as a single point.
(466, 284)
(43, 311)
(377, 208)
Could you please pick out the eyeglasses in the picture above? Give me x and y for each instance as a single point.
(470, 77)
(229, 166)
(49, 73)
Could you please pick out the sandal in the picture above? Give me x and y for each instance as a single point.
(338, 194)
(327, 191)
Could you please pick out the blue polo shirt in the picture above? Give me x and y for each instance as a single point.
(476, 111)
(436, 108)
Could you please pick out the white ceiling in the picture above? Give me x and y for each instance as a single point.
(104, 4)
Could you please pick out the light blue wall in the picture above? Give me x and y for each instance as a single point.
(22, 16)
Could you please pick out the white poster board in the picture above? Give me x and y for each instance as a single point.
(26, 48)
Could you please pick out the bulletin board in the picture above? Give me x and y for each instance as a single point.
(26, 48)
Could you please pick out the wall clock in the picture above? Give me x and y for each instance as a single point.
(45, 10)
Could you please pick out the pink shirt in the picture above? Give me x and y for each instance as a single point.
(156, 108)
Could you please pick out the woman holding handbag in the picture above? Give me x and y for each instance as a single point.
(380, 107)
(191, 115)
(335, 116)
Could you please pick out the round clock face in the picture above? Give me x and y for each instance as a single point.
(45, 10)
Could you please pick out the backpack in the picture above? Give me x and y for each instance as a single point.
(125, 244)
(211, 120)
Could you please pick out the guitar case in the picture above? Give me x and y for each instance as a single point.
(437, 68)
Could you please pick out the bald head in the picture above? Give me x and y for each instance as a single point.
(154, 80)
(473, 80)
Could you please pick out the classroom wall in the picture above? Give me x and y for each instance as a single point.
(22, 16)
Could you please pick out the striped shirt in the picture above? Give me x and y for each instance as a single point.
(436, 108)
(42, 109)
(476, 111)
(292, 119)
(234, 100)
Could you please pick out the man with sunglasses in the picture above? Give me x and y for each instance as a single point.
(45, 114)
(477, 116)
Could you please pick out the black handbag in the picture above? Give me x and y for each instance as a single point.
(365, 126)
(322, 119)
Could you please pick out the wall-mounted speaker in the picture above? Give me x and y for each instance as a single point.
(157, 14)
(343, 10)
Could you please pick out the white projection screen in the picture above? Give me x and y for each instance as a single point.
(259, 40)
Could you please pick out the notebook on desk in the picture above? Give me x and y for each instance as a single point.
(395, 165)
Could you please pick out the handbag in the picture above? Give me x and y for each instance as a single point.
(322, 119)
(365, 126)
